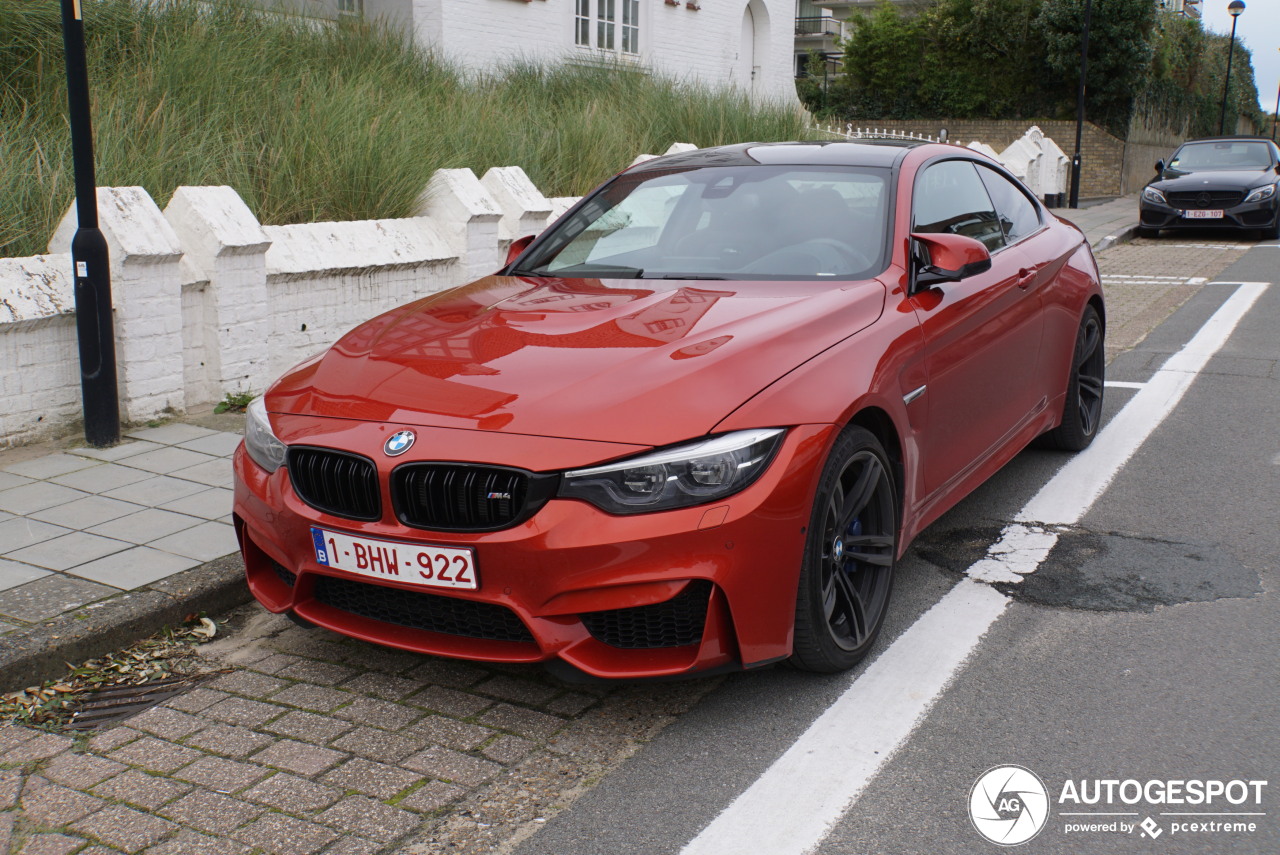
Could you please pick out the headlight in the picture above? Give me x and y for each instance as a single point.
(677, 477)
(262, 445)
(1151, 194)
(1261, 193)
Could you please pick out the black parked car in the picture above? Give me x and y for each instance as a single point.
(1226, 182)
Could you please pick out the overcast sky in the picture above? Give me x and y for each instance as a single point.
(1259, 29)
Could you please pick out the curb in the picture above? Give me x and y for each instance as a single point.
(1123, 235)
(42, 651)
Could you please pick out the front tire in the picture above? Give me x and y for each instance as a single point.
(849, 557)
(1082, 410)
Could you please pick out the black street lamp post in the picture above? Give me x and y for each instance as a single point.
(1235, 7)
(1074, 199)
(95, 327)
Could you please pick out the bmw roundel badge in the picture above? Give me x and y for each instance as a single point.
(398, 443)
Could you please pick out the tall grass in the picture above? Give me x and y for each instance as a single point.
(314, 122)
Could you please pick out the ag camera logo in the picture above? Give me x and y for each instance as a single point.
(1009, 805)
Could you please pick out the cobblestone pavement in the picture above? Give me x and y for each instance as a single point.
(314, 743)
(1146, 280)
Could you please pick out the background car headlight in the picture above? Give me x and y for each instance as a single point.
(689, 474)
(1151, 194)
(1261, 193)
(262, 445)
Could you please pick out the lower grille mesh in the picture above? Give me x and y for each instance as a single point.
(418, 610)
(675, 623)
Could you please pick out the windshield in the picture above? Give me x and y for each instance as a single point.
(1221, 155)
(724, 222)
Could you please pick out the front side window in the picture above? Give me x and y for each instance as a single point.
(950, 198)
(1018, 215)
(725, 222)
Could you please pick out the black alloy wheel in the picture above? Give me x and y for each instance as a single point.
(849, 559)
(1082, 410)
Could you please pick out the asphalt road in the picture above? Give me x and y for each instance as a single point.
(1144, 648)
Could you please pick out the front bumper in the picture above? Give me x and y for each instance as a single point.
(1248, 215)
(646, 595)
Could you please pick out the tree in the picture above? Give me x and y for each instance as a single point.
(1120, 53)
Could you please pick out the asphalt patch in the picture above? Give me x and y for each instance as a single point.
(1107, 571)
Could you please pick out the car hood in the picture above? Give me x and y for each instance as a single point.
(1241, 179)
(646, 362)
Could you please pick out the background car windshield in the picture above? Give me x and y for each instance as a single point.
(726, 222)
(1222, 155)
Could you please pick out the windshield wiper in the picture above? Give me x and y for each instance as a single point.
(608, 270)
(689, 276)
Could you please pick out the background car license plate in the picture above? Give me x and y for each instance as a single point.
(414, 563)
(1202, 215)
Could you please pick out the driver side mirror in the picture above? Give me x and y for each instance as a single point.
(1159, 166)
(518, 246)
(945, 257)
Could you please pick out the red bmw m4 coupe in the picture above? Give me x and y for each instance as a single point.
(692, 426)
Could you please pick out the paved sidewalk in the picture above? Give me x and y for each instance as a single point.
(93, 542)
(1105, 223)
(99, 547)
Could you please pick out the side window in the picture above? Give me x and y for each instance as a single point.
(950, 198)
(1018, 215)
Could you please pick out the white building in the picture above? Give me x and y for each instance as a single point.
(747, 44)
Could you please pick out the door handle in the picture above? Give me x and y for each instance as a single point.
(1025, 278)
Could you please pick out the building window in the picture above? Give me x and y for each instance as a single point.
(630, 26)
(582, 23)
(350, 8)
(604, 35)
(605, 12)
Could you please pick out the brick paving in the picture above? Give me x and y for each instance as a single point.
(340, 749)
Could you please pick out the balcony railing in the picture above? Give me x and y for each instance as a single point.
(819, 27)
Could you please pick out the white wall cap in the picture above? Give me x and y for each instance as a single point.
(680, 148)
(561, 204)
(36, 287)
(453, 192)
(515, 192)
(985, 149)
(641, 158)
(218, 218)
(335, 248)
(131, 222)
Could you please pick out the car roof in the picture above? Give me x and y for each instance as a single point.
(882, 153)
(1228, 138)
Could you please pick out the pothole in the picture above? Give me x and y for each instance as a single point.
(1107, 571)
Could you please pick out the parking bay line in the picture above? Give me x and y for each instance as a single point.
(783, 812)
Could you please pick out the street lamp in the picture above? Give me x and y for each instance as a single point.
(89, 254)
(1235, 7)
(1073, 200)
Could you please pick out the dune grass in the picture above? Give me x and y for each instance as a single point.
(314, 122)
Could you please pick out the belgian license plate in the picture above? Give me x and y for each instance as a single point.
(1202, 215)
(412, 563)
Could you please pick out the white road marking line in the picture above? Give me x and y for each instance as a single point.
(1124, 384)
(792, 807)
(1207, 246)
